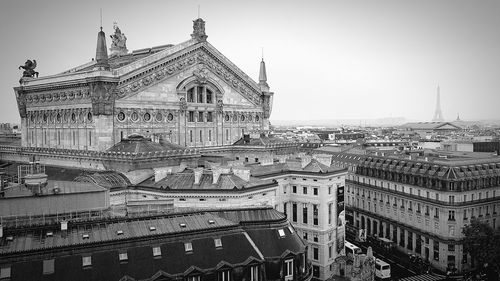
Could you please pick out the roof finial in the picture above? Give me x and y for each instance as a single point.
(101, 19)
(262, 53)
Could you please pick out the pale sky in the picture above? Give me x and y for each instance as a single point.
(325, 59)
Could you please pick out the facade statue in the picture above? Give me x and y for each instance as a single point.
(29, 69)
(118, 41)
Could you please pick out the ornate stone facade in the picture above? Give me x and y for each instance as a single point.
(188, 94)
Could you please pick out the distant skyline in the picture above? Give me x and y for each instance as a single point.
(325, 59)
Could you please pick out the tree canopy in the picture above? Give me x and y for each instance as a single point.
(482, 243)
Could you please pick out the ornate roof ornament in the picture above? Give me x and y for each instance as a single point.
(199, 30)
(119, 41)
(29, 69)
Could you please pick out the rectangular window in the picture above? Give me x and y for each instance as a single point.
(451, 248)
(284, 208)
(315, 214)
(209, 135)
(156, 252)
(48, 267)
(86, 261)
(294, 212)
(288, 269)
(190, 95)
(436, 250)
(294, 189)
(315, 191)
(209, 116)
(451, 215)
(436, 212)
(330, 250)
(304, 190)
(188, 247)
(5, 272)
(304, 214)
(254, 273)
(330, 206)
(200, 116)
(193, 278)
(227, 134)
(122, 256)
(201, 135)
(191, 116)
(200, 94)
(209, 96)
(315, 253)
(451, 199)
(225, 275)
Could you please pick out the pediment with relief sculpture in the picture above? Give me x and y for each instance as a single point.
(199, 54)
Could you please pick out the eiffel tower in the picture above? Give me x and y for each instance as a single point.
(438, 115)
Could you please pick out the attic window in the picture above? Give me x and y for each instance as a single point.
(218, 243)
(9, 238)
(281, 232)
(182, 225)
(86, 261)
(188, 247)
(119, 232)
(49, 234)
(156, 252)
(152, 228)
(290, 228)
(123, 256)
(48, 266)
(5, 272)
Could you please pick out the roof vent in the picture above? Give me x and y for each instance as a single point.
(182, 225)
(86, 236)
(49, 234)
(119, 232)
(152, 228)
(211, 222)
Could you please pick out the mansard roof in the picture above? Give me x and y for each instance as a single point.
(248, 236)
(459, 168)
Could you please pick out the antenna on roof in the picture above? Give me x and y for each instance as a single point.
(101, 18)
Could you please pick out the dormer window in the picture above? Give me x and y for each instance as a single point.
(288, 270)
(156, 252)
(225, 275)
(188, 247)
(218, 243)
(281, 232)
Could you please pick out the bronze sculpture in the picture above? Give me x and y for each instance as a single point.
(29, 69)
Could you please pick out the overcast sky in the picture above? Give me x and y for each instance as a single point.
(325, 59)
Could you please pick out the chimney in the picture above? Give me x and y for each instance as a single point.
(216, 172)
(324, 159)
(197, 175)
(242, 172)
(305, 160)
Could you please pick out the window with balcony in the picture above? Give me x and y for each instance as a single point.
(451, 215)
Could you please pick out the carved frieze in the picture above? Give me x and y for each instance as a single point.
(54, 96)
(176, 65)
(60, 116)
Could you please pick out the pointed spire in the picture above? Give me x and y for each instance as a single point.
(263, 74)
(101, 54)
